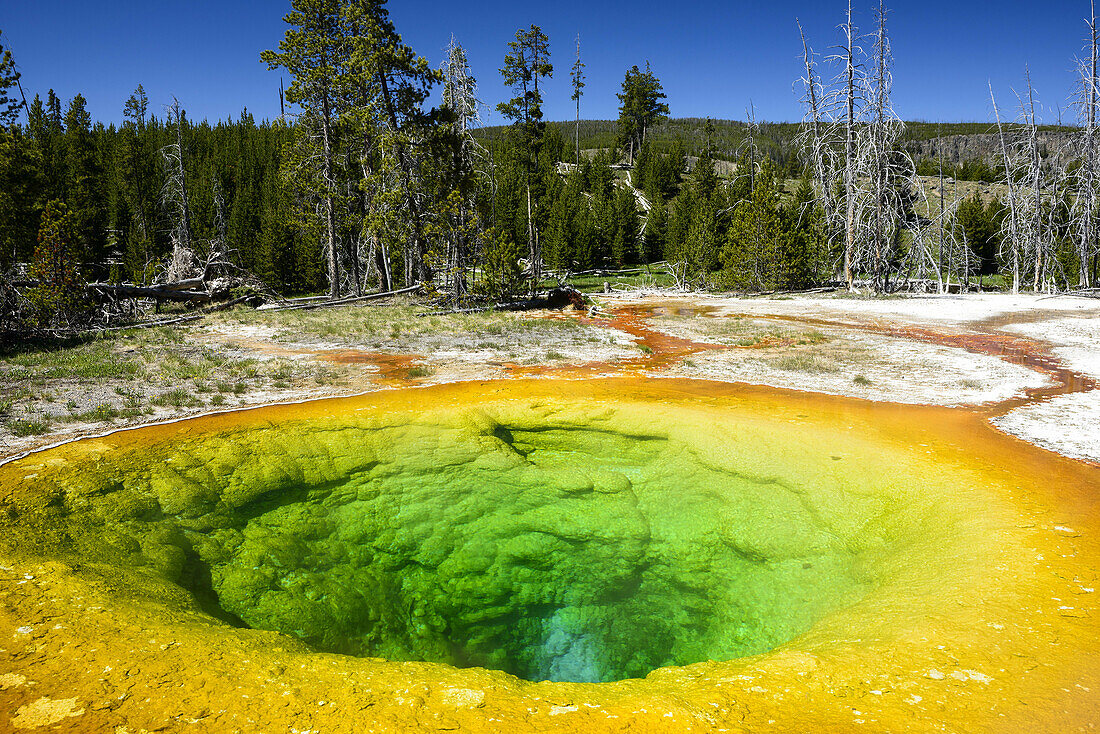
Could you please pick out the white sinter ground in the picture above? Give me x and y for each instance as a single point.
(902, 370)
(1068, 424)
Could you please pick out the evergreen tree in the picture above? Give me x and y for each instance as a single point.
(315, 52)
(525, 64)
(643, 166)
(578, 91)
(625, 244)
(136, 170)
(20, 190)
(44, 124)
(20, 180)
(528, 61)
(705, 179)
(641, 107)
(387, 70)
(979, 226)
(654, 236)
(502, 278)
(58, 299)
(11, 106)
(83, 190)
(770, 245)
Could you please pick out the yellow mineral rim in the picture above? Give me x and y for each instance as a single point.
(550, 555)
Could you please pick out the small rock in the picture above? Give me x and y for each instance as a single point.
(11, 680)
(466, 698)
(44, 712)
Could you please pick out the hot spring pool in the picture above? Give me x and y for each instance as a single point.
(572, 532)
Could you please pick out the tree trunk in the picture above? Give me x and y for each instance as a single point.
(850, 155)
(330, 204)
(531, 242)
(1088, 230)
(185, 207)
(424, 273)
(1013, 223)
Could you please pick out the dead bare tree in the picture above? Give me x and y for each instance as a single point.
(865, 185)
(1085, 186)
(460, 96)
(851, 76)
(748, 148)
(1010, 229)
(818, 142)
(183, 260)
(1036, 242)
(891, 172)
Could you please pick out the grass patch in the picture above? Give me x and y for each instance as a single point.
(811, 337)
(190, 365)
(388, 323)
(805, 362)
(591, 283)
(29, 426)
(325, 376)
(281, 370)
(862, 380)
(101, 412)
(420, 370)
(748, 333)
(245, 368)
(93, 361)
(178, 398)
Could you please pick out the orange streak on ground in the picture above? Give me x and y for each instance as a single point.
(392, 369)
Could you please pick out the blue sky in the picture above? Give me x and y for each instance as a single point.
(712, 57)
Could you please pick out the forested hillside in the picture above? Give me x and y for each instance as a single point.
(113, 180)
(365, 185)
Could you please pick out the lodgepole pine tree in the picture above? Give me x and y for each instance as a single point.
(641, 108)
(527, 62)
(314, 52)
(578, 92)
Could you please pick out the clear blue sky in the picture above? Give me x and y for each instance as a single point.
(712, 57)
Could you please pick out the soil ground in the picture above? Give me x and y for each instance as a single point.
(1012, 356)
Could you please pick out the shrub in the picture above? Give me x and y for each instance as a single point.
(59, 298)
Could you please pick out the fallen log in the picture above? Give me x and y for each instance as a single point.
(181, 285)
(125, 327)
(340, 301)
(177, 291)
(160, 293)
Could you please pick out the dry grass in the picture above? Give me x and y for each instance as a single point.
(745, 332)
(402, 321)
(812, 362)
